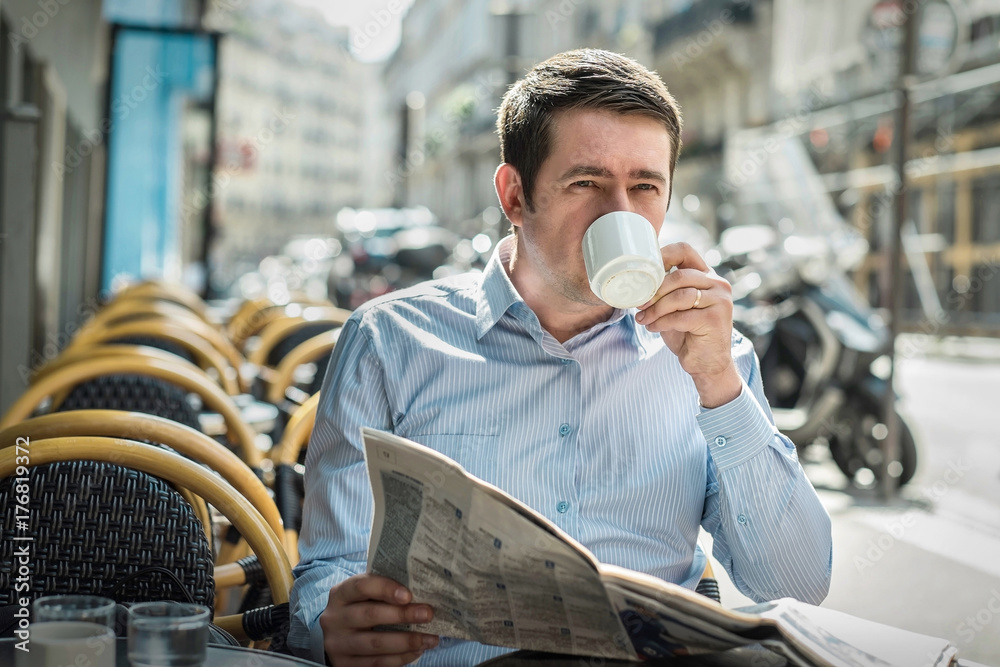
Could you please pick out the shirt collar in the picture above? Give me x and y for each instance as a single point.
(498, 294)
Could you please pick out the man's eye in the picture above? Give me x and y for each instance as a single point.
(645, 186)
(584, 184)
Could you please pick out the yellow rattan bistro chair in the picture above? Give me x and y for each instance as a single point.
(254, 315)
(127, 360)
(137, 309)
(172, 332)
(282, 335)
(288, 488)
(181, 472)
(315, 349)
(140, 426)
(164, 291)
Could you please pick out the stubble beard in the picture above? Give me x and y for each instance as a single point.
(565, 279)
(574, 287)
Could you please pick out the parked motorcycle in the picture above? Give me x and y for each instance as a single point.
(823, 350)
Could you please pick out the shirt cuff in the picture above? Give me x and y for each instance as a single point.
(737, 431)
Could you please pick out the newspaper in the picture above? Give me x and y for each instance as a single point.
(497, 572)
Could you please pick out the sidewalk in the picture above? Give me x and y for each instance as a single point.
(928, 563)
(964, 348)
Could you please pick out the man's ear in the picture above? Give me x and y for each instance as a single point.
(507, 181)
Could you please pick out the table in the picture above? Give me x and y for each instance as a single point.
(235, 656)
(739, 657)
(218, 656)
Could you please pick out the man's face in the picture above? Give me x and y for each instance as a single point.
(600, 162)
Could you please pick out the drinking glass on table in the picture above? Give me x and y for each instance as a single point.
(89, 608)
(70, 630)
(61, 643)
(167, 634)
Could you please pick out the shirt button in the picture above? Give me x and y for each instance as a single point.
(564, 430)
(566, 361)
(562, 507)
(742, 519)
(721, 441)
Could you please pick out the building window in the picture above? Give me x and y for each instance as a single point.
(946, 210)
(986, 209)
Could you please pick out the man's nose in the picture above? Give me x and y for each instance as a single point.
(616, 200)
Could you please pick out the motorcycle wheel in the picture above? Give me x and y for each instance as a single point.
(855, 445)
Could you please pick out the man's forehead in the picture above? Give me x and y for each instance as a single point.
(608, 140)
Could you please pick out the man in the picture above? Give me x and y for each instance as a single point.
(628, 429)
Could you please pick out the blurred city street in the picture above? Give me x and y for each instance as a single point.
(929, 561)
(221, 183)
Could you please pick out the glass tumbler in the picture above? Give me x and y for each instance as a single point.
(62, 643)
(167, 634)
(89, 608)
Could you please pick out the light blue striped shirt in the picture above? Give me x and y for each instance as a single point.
(602, 434)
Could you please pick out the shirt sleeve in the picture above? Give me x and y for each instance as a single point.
(338, 507)
(770, 530)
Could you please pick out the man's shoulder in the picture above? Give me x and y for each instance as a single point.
(455, 293)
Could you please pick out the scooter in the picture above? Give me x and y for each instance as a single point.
(823, 350)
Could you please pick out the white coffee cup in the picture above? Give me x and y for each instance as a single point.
(623, 260)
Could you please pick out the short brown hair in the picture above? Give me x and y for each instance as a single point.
(579, 79)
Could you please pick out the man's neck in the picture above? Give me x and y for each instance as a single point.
(561, 316)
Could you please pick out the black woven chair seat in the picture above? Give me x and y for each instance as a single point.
(158, 343)
(135, 393)
(294, 339)
(101, 529)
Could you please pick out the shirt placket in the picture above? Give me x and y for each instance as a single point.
(565, 424)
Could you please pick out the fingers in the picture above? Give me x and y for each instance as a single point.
(385, 643)
(688, 301)
(375, 660)
(363, 602)
(379, 661)
(387, 660)
(679, 291)
(681, 278)
(364, 615)
(370, 587)
(684, 321)
(680, 300)
(683, 256)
